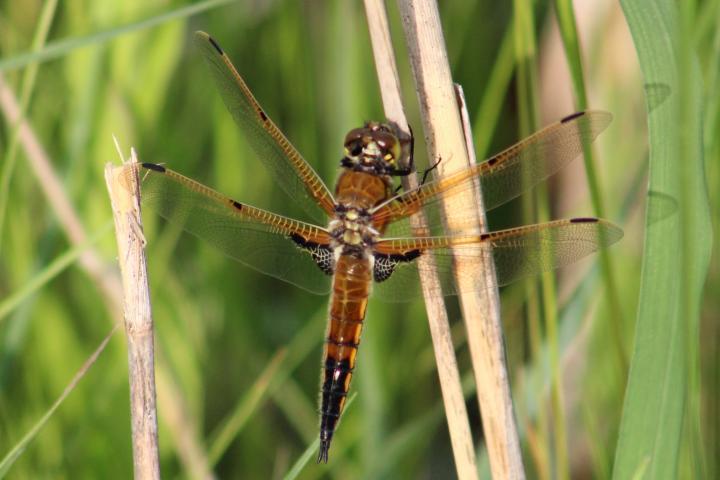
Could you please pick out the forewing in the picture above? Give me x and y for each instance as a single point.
(288, 168)
(503, 176)
(257, 238)
(516, 253)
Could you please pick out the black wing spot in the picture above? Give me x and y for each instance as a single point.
(385, 264)
(153, 166)
(572, 117)
(216, 45)
(321, 254)
(492, 161)
(263, 116)
(584, 220)
(237, 205)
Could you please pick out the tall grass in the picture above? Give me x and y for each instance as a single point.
(238, 352)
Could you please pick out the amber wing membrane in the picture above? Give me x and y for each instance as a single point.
(255, 237)
(517, 253)
(288, 168)
(503, 176)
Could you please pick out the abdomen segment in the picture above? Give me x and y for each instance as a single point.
(351, 287)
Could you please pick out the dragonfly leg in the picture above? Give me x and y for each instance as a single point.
(428, 170)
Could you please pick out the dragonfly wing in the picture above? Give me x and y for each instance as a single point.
(288, 168)
(275, 245)
(539, 156)
(516, 253)
(503, 176)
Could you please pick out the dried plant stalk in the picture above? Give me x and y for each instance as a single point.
(451, 387)
(92, 263)
(124, 193)
(444, 134)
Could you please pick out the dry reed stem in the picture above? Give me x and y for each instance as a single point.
(94, 266)
(450, 384)
(443, 127)
(124, 191)
(489, 363)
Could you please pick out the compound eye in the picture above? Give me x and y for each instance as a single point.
(354, 135)
(395, 149)
(389, 144)
(354, 149)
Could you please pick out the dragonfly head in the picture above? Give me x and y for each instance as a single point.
(373, 148)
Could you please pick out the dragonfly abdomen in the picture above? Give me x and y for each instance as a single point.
(351, 288)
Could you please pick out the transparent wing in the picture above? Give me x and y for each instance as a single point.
(288, 168)
(517, 253)
(262, 240)
(502, 177)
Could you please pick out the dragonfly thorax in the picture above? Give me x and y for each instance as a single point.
(351, 229)
(372, 149)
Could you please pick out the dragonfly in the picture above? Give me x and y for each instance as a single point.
(358, 238)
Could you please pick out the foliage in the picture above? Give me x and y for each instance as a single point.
(238, 352)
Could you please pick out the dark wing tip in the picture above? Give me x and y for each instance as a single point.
(323, 453)
(202, 37)
(153, 166)
(572, 117)
(600, 119)
(611, 233)
(216, 45)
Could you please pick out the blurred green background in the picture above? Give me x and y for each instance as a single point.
(238, 352)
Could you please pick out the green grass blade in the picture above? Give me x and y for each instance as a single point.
(274, 375)
(571, 44)
(301, 462)
(28, 85)
(48, 273)
(486, 120)
(406, 439)
(676, 256)
(310, 451)
(542, 305)
(62, 47)
(245, 408)
(7, 462)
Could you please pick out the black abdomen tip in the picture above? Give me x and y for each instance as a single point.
(153, 166)
(323, 453)
(572, 117)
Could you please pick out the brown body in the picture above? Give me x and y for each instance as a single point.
(352, 282)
